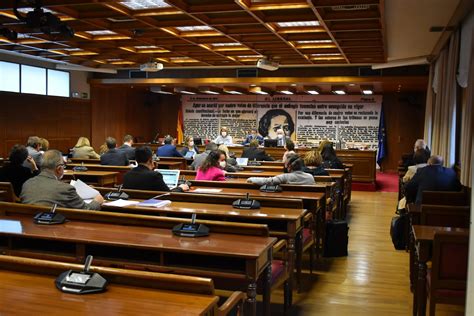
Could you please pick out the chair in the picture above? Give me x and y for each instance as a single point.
(7, 194)
(445, 215)
(446, 282)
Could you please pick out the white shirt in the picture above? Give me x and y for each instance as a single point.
(223, 140)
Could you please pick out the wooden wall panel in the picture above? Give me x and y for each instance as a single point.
(117, 111)
(60, 120)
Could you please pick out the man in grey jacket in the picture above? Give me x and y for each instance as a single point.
(295, 165)
(47, 188)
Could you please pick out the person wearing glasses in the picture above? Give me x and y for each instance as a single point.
(276, 124)
(48, 189)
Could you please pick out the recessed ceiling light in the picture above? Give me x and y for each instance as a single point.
(101, 32)
(367, 92)
(145, 46)
(225, 44)
(194, 28)
(249, 56)
(314, 41)
(340, 92)
(298, 23)
(29, 9)
(326, 54)
(145, 4)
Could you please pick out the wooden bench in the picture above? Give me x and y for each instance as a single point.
(234, 255)
(129, 291)
(7, 194)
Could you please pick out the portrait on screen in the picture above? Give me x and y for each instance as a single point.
(273, 120)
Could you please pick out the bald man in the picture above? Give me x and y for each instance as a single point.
(433, 177)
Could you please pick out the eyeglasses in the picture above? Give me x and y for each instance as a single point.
(62, 165)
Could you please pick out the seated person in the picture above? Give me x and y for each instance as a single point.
(330, 160)
(255, 153)
(200, 158)
(281, 137)
(143, 177)
(190, 147)
(15, 172)
(294, 165)
(212, 167)
(127, 147)
(290, 149)
(103, 149)
(168, 149)
(84, 150)
(34, 151)
(253, 135)
(313, 162)
(433, 177)
(48, 189)
(224, 137)
(419, 144)
(231, 163)
(113, 157)
(420, 158)
(44, 145)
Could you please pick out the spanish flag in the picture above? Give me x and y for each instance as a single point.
(179, 126)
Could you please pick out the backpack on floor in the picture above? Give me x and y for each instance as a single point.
(337, 239)
(399, 230)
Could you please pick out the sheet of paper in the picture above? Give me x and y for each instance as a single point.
(121, 203)
(200, 190)
(85, 192)
(154, 203)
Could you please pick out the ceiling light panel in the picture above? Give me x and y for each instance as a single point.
(101, 32)
(145, 4)
(194, 28)
(298, 24)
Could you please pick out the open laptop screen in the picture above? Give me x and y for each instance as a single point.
(170, 177)
(242, 161)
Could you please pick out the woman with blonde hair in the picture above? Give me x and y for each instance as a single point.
(313, 162)
(84, 150)
(189, 147)
(231, 163)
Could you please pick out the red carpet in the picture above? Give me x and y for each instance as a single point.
(387, 182)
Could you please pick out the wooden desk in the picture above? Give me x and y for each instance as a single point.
(283, 222)
(102, 178)
(423, 241)
(24, 293)
(232, 262)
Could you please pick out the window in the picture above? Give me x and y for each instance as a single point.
(33, 80)
(9, 77)
(58, 83)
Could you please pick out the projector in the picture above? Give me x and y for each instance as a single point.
(267, 64)
(151, 67)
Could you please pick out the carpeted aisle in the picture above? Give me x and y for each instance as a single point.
(387, 182)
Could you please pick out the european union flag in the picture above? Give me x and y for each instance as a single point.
(382, 138)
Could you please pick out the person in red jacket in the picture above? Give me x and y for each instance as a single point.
(212, 167)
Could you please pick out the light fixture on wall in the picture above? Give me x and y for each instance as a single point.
(367, 89)
(186, 90)
(162, 90)
(286, 90)
(259, 90)
(339, 90)
(210, 90)
(312, 90)
(234, 90)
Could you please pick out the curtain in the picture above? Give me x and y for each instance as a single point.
(465, 51)
(429, 108)
(444, 107)
(467, 122)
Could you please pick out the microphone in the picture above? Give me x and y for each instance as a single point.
(87, 264)
(193, 218)
(53, 208)
(154, 141)
(161, 195)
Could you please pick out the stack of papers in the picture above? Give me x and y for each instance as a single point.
(83, 190)
(121, 203)
(154, 203)
(207, 190)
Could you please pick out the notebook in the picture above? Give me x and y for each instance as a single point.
(189, 155)
(242, 161)
(170, 177)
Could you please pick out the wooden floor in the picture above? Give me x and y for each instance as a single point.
(372, 280)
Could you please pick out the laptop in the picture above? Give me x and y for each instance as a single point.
(242, 161)
(189, 155)
(170, 177)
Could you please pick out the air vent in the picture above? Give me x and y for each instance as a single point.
(358, 7)
(247, 73)
(136, 74)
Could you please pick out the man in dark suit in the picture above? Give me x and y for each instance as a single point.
(255, 153)
(127, 147)
(168, 149)
(433, 177)
(113, 157)
(143, 177)
(48, 189)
